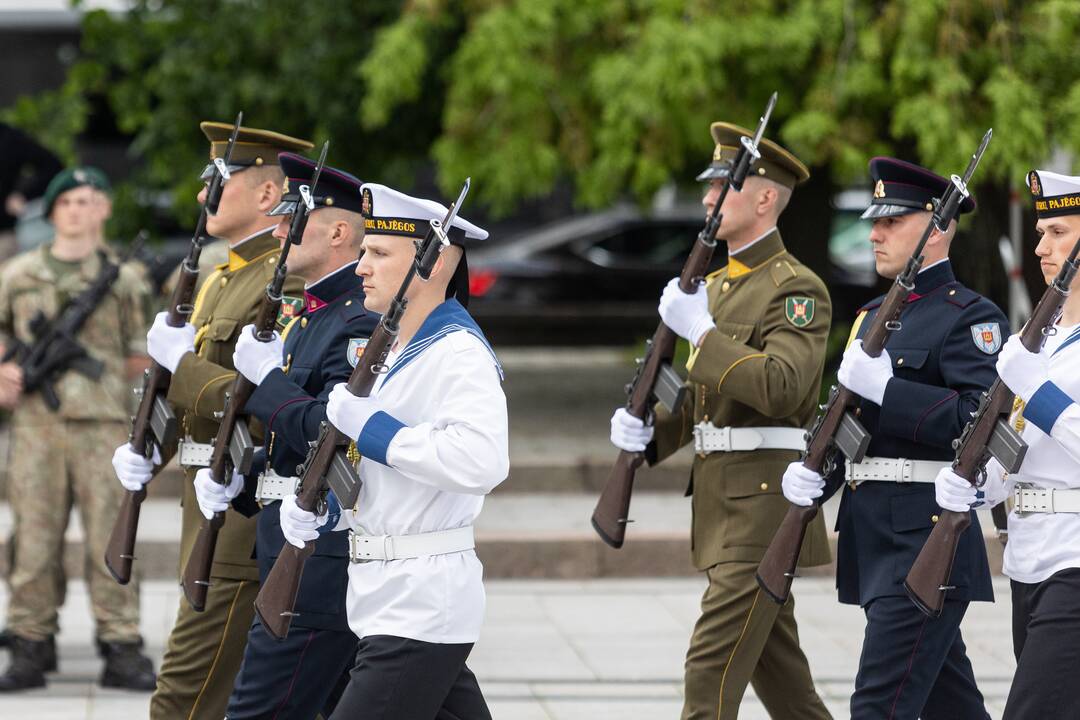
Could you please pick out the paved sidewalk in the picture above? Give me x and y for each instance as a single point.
(557, 650)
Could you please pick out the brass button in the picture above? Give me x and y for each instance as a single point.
(272, 260)
(288, 359)
(734, 336)
(303, 322)
(777, 264)
(764, 486)
(348, 303)
(224, 281)
(900, 361)
(725, 287)
(952, 292)
(933, 518)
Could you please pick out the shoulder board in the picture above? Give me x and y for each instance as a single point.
(960, 296)
(782, 269)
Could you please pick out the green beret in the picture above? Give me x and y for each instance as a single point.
(70, 179)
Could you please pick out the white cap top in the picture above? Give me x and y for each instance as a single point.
(1055, 194)
(390, 212)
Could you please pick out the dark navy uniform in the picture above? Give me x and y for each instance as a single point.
(942, 358)
(298, 677)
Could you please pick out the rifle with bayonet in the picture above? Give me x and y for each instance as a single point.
(655, 380)
(837, 427)
(327, 466)
(987, 435)
(154, 423)
(233, 449)
(55, 348)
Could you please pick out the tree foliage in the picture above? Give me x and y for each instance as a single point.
(614, 96)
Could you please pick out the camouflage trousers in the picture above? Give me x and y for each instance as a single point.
(51, 468)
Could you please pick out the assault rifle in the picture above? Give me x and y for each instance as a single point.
(233, 449)
(988, 434)
(327, 467)
(55, 348)
(655, 379)
(837, 427)
(154, 423)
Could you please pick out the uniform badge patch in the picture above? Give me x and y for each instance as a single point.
(987, 337)
(799, 311)
(356, 350)
(290, 308)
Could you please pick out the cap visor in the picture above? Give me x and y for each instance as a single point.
(880, 211)
(209, 170)
(285, 207)
(714, 171)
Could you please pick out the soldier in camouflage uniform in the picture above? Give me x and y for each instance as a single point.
(61, 458)
(205, 648)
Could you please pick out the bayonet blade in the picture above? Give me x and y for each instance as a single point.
(451, 214)
(764, 121)
(309, 200)
(232, 138)
(978, 155)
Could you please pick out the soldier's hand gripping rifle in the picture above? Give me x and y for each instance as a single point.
(327, 467)
(837, 427)
(154, 423)
(655, 379)
(55, 348)
(987, 435)
(233, 448)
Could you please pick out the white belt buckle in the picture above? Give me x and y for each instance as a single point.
(362, 548)
(905, 472)
(699, 439)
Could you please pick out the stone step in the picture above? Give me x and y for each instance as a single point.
(519, 535)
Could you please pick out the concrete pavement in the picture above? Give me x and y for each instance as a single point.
(557, 650)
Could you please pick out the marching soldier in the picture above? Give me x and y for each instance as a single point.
(916, 397)
(757, 332)
(318, 349)
(205, 649)
(1042, 557)
(58, 458)
(433, 438)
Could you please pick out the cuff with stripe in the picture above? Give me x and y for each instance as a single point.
(1046, 405)
(378, 433)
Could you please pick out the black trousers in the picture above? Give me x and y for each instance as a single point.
(1046, 640)
(913, 666)
(401, 679)
(298, 677)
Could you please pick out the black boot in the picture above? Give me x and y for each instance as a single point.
(126, 667)
(27, 668)
(50, 655)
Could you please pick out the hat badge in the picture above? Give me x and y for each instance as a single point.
(285, 187)
(79, 175)
(366, 202)
(879, 189)
(1033, 181)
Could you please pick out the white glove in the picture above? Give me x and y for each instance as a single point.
(628, 432)
(686, 314)
(998, 485)
(349, 413)
(215, 498)
(1023, 371)
(299, 526)
(167, 344)
(253, 359)
(863, 375)
(953, 492)
(132, 469)
(801, 484)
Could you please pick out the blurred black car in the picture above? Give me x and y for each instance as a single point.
(593, 278)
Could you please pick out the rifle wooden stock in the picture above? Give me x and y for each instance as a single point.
(120, 552)
(928, 580)
(277, 595)
(610, 517)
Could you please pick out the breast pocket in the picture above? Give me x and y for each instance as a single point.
(302, 376)
(911, 516)
(216, 343)
(737, 331)
(908, 358)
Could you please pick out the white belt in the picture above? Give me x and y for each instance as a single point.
(195, 454)
(399, 547)
(709, 439)
(275, 487)
(896, 470)
(1028, 499)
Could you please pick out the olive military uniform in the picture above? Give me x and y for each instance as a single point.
(63, 458)
(761, 367)
(205, 649)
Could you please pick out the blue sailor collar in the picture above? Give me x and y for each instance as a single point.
(330, 287)
(1074, 336)
(449, 317)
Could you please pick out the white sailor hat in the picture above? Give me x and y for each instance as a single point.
(1055, 194)
(389, 212)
